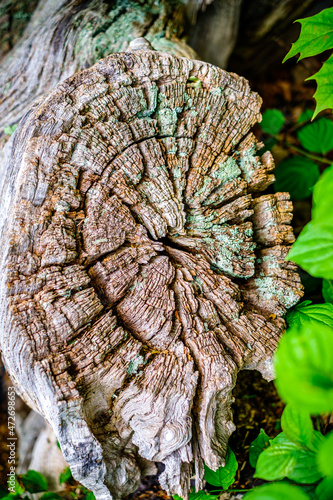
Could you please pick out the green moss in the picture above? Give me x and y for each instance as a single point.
(152, 98)
(204, 188)
(10, 129)
(177, 174)
(194, 82)
(248, 232)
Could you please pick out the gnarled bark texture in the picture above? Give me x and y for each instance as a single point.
(66, 36)
(141, 269)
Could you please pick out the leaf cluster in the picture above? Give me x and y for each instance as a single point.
(298, 460)
(317, 36)
(35, 482)
(304, 379)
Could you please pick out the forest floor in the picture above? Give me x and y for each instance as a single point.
(257, 404)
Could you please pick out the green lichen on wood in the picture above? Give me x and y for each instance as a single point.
(248, 161)
(167, 121)
(271, 289)
(128, 19)
(134, 364)
(227, 171)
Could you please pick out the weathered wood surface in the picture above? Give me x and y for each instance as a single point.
(141, 269)
(66, 36)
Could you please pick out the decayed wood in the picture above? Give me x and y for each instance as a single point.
(141, 269)
(66, 36)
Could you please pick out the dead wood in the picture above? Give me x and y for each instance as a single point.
(66, 36)
(141, 269)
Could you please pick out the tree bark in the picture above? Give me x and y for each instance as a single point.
(141, 268)
(64, 37)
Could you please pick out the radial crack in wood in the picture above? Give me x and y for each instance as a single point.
(140, 270)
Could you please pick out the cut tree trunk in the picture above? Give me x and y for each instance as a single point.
(141, 269)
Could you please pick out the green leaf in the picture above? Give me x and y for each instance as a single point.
(10, 129)
(224, 476)
(19, 490)
(278, 491)
(90, 496)
(317, 137)
(304, 368)
(315, 37)
(276, 462)
(318, 314)
(324, 456)
(11, 497)
(316, 441)
(324, 490)
(313, 250)
(65, 475)
(287, 459)
(50, 495)
(199, 495)
(297, 425)
(272, 121)
(324, 92)
(257, 446)
(34, 482)
(322, 198)
(297, 175)
(327, 291)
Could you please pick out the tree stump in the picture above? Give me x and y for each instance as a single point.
(141, 269)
